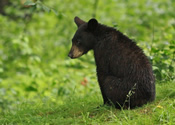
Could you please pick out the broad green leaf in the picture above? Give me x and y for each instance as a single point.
(30, 88)
(29, 3)
(55, 12)
(47, 9)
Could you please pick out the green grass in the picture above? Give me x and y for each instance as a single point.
(84, 110)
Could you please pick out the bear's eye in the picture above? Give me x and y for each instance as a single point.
(78, 42)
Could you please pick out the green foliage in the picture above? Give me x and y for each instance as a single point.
(35, 38)
(39, 5)
(164, 59)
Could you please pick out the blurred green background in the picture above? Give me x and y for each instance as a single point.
(35, 38)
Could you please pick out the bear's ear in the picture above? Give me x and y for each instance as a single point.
(92, 24)
(78, 21)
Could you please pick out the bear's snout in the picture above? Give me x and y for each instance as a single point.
(75, 52)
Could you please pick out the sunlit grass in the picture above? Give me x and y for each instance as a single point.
(87, 110)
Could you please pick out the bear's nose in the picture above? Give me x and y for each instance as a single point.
(70, 55)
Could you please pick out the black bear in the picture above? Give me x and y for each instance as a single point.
(124, 73)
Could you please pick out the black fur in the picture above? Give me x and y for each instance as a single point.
(124, 73)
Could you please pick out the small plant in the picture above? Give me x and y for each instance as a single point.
(38, 4)
(130, 93)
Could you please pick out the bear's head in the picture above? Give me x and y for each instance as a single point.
(84, 38)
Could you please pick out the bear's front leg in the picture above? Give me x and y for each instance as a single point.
(106, 101)
(105, 83)
(113, 91)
